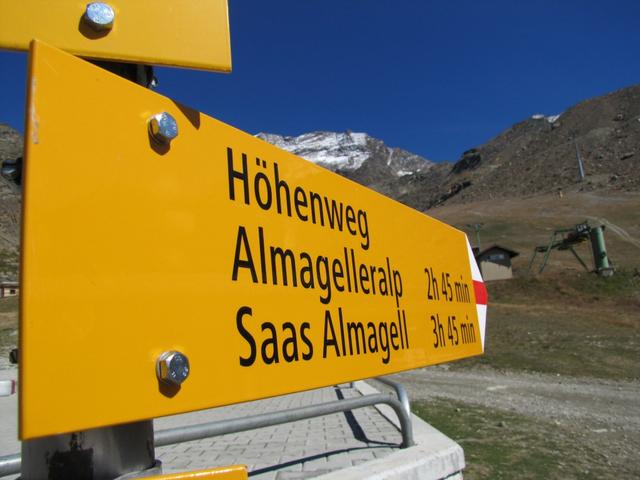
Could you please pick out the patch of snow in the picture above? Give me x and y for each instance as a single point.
(347, 151)
(548, 118)
(337, 150)
(553, 118)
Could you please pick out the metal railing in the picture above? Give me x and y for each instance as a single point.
(11, 464)
(198, 432)
(400, 392)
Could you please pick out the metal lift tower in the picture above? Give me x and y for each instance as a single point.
(567, 238)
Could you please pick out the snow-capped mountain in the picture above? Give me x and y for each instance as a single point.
(350, 152)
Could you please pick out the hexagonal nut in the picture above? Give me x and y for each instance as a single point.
(99, 16)
(163, 127)
(172, 368)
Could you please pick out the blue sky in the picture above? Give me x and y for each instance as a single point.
(435, 78)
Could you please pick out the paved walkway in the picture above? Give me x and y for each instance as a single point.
(9, 416)
(296, 450)
(366, 439)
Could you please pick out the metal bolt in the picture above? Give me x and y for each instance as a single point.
(163, 127)
(172, 367)
(100, 16)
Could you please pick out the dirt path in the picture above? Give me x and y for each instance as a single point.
(602, 415)
(594, 404)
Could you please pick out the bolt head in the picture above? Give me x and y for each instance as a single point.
(100, 16)
(173, 367)
(163, 127)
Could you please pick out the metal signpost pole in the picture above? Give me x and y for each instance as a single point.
(102, 453)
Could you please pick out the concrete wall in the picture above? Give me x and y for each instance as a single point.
(493, 271)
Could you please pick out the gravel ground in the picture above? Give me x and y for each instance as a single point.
(603, 415)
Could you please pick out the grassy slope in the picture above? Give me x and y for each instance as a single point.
(8, 324)
(522, 224)
(505, 445)
(9, 260)
(569, 323)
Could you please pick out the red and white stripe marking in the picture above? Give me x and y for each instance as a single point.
(481, 294)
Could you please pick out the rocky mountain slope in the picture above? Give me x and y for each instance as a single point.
(10, 149)
(539, 155)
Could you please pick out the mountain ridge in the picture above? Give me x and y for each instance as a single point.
(11, 145)
(348, 151)
(538, 156)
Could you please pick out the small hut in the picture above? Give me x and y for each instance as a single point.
(495, 263)
(9, 289)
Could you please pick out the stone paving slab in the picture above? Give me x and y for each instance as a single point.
(9, 443)
(292, 451)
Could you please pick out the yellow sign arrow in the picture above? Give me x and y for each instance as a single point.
(166, 273)
(234, 472)
(191, 33)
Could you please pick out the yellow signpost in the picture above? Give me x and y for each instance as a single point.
(268, 273)
(234, 472)
(188, 33)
